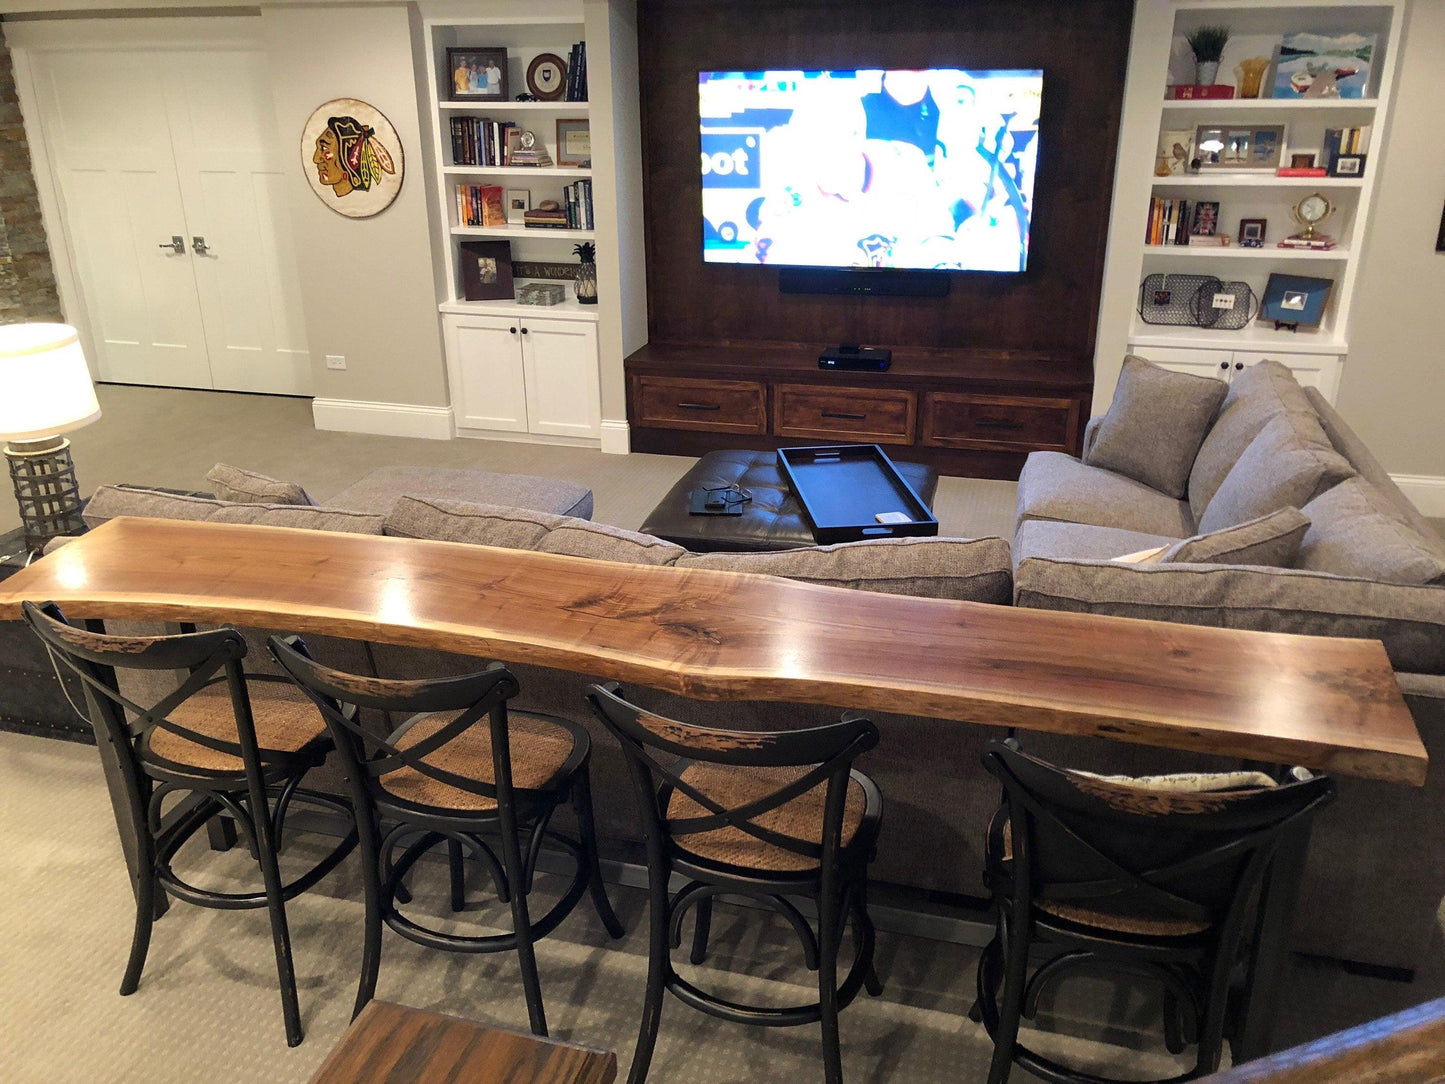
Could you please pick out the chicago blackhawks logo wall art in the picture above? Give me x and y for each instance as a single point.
(352, 157)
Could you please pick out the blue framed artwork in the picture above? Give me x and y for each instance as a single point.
(1324, 65)
(1295, 299)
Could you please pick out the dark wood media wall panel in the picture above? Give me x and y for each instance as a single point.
(999, 367)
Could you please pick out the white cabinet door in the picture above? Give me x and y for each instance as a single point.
(1320, 371)
(485, 362)
(563, 393)
(1215, 363)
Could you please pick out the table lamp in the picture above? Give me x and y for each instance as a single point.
(45, 389)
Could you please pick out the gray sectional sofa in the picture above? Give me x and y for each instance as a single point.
(1376, 874)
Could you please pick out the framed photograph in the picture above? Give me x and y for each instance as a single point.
(519, 202)
(1239, 148)
(1205, 220)
(486, 270)
(1251, 232)
(574, 143)
(1295, 299)
(1302, 161)
(1174, 152)
(547, 76)
(477, 75)
(1348, 165)
(1315, 65)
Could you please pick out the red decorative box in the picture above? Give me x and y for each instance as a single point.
(1187, 92)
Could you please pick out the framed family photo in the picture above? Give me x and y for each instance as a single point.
(477, 75)
(1241, 147)
(486, 270)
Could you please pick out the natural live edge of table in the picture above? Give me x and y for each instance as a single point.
(1328, 703)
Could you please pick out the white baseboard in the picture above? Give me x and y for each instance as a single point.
(1426, 492)
(616, 437)
(383, 419)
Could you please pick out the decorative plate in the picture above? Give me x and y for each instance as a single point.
(547, 76)
(352, 158)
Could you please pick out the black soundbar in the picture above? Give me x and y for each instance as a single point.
(855, 358)
(863, 281)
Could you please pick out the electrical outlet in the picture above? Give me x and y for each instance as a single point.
(335, 361)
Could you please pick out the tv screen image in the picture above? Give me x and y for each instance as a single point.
(900, 169)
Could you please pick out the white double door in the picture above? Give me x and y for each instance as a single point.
(148, 147)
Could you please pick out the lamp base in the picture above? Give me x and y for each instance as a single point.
(45, 488)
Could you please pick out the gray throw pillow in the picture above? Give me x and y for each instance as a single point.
(1287, 465)
(247, 487)
(1155, 425)
(1272, 540)
(1355, 531)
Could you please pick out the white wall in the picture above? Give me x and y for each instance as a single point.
(1393, 393)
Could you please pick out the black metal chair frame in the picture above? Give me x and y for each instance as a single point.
(148, 779)
(1195, 968)
(838, 884)
(387, 821)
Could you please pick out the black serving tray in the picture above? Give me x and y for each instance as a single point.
(842, 487)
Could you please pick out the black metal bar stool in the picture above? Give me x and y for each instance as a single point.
(761, 814)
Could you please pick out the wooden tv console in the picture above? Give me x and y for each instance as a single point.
(972, 413)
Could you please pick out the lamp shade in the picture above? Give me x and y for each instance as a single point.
(45, 387)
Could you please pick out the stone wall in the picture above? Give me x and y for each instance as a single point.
(27, 284)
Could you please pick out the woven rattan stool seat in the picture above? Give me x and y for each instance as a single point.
(540, 747)
(286, 722)
(801, 818)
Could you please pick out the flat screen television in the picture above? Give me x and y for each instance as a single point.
(919, 170)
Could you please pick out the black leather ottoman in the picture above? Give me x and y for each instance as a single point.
(773, 520)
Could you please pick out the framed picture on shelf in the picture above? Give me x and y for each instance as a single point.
(477, 75)
(1323, 65)
(1174, 152)
(547, 76)
(1239, 148)
(1348, 165)
(1205, 220)
(486, 270)
(574, 143)
(1302, 161)
(1298, 300)
(1251, 232)
(519, 202)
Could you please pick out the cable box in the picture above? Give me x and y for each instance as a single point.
(854, 358)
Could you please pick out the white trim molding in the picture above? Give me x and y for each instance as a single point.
(1426, 492)
(616, 437)
(383, 419)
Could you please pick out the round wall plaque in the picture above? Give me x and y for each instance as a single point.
(547, 76)
(352, 158)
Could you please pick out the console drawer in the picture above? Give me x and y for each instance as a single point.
(999, 422)
(874, 415)
(721, 406)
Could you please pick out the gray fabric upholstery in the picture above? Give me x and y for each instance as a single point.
(1409, 620)
(1155, 424)
(1287, 465)
(111, 501)
(379, 490)
(1079, 541)
(1255, 395)
(1355, 531)
(971, 569)
(107, 502)
(1272, 541)
(579, 538)
(1056, 486)
(248, 487)
(1091, 430)
(304, 517)
(478, 524)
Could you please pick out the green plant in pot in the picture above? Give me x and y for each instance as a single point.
(1207, 43)
(585, 285)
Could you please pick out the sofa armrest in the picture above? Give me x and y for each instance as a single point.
(1091, 432)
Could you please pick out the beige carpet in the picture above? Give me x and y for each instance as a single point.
(207, 1007)
(169, 437)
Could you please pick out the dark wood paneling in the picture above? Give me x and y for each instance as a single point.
(999, 422)
(874, 415)
(719, 406)
(1052, 308)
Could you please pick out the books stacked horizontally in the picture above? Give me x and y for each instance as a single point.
(481, 205)
(1319, 243)
(577, 73)
(549, 215)
(477, 141)
(1171, 222)
(1340, 141)
(578, 204)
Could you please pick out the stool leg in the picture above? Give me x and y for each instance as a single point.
(1015, 970)
(458, 875)
(658, 965)
(701, 930)
(276, 906)
(828, 939)
(145, 912)
(371, 886)
(582, 806)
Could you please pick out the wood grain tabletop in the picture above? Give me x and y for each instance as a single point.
(1329, 703)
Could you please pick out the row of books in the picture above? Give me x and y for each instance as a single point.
(577, 74)
(1340, 141)
(577, 199)
(477, 141)
(1171, 220)
(481, 205)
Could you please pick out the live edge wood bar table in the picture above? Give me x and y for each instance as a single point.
(1330, 704)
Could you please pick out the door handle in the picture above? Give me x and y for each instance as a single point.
(844, 415)
(199, 246)
(176, 244)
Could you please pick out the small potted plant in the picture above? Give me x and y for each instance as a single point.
(585, 285)
(1207, 44)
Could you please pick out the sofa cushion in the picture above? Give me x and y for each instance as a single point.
(1287, 465)
(1409, 620)
(107, 502)
(1272, 540)
(1056, 486)
(1080, 542)
(1155, 425)
(111, 501)
(379, 490)
(1355, 531)
(1255, 396)
(970, 569)
(477, 524)
(247, 487)
(302, 517)
(581, 538)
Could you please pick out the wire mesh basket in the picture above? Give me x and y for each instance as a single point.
(1196, 301)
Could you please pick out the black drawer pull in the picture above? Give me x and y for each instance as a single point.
(844, 415)
(699, 406)
(997, 423)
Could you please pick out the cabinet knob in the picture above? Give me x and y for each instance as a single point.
(524, 331)
(1238, 366)
(1224, 365)
(512, 330)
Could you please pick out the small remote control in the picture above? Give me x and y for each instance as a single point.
(893, 517)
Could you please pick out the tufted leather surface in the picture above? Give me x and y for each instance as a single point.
(773, 520)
